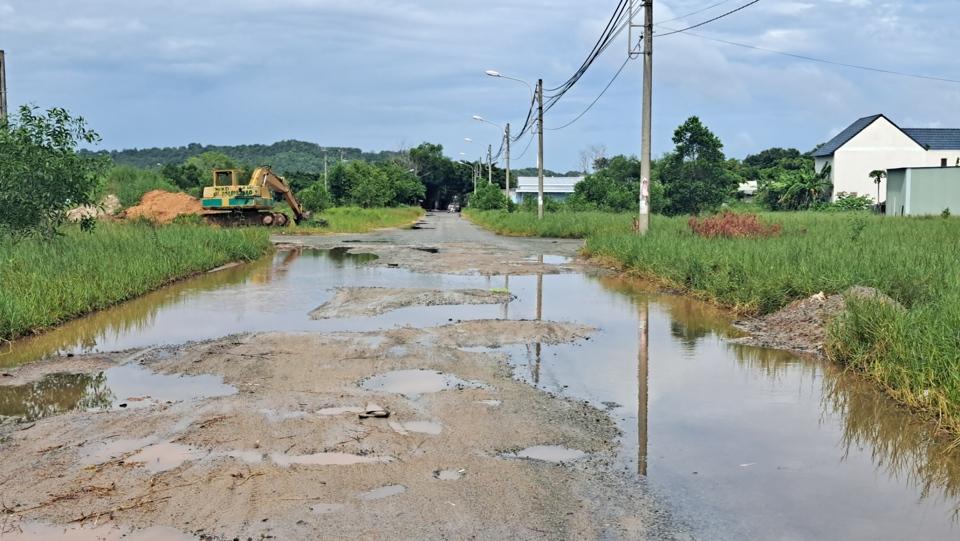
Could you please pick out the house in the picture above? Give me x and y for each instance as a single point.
(875, 142)
(557, 188)
(919, 191)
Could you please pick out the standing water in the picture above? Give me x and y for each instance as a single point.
(741, 442)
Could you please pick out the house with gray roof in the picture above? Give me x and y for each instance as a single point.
(876, 142)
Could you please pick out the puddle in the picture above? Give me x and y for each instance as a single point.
(449, 475)
(831, 457)
(121, 387)
(550, 259)
(32, 531)
(382, 492)
(327, 459)
(420, 427)
(161, 457)
(417, 382)
(548, 453)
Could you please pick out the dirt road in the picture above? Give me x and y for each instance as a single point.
(404, 432)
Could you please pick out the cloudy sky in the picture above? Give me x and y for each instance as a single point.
(382, 74)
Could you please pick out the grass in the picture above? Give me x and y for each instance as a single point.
(554, 224)
(48, 282)
(912, 351)
(356, 220)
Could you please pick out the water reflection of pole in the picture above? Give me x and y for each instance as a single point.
(642, 386)
(506, 304)
(536, 372)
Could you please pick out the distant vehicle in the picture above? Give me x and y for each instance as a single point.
(453, 207)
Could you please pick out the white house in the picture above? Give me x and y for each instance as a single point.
(558, 188)
(875, 142)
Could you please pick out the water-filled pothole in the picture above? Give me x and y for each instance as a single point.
(548, 453)
(383, 492)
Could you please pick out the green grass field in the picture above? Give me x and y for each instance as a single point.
(356, 220)
(913, 353)
(48, 282)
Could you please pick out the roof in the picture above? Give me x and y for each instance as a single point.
(935, 138)
(550, 184)
(831, 146)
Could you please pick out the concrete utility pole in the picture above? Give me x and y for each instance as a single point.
(489, 164)
(540, 149)
(506, 135)
(326, 182)
(3, 86)
(643, 220)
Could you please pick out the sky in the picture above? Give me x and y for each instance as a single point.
(388, 74)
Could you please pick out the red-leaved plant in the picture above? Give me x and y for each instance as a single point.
(732, 225)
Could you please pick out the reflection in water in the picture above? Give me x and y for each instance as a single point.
(902, 446)
(643, 386)
(55, 394)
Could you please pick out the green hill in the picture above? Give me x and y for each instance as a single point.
(283, 157)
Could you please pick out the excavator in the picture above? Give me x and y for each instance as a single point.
(227, 202)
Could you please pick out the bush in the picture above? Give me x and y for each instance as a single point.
(129, 184)
(732, 225)
(488, 197)
(41, 173)
(315, 198)
(848, 202)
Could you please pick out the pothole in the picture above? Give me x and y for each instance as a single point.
(382, 492)
(449, 475)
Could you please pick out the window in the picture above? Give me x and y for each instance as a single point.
(943, 162)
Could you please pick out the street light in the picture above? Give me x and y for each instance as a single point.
(506, 140)
(536, 96)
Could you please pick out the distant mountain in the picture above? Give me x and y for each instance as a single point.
(284, 156)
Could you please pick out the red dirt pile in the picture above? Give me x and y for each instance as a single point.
(163, 207)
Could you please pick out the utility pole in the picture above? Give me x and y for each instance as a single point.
(3, 86)
(326, 182)
(506, 135)
(540, 149)
(489, 164)
(643, 220)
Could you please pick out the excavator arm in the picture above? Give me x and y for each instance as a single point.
(263, 176)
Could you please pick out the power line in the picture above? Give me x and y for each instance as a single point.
(594, 102)
(708, 21)
(823, 60)
(697, 12)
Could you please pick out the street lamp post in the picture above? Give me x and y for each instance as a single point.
(538, 97)
(506, 142)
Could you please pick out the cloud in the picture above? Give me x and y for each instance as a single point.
(377, 72)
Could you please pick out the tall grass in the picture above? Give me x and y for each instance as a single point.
(357, 220)
(913, 351)
(554, 224)
(129, 184)
(49, 282)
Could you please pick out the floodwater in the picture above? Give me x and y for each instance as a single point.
(549, 453)
(740, 442)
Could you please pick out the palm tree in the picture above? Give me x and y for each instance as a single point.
(878, 175)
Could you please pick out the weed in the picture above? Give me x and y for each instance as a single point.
(732, 225)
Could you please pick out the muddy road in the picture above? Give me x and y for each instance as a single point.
(445, 383)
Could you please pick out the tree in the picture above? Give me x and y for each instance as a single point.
(41, 173)
(489, 197)
(614, 188)
(210, 160)
(796, 190)
(878, 175)
(315, 198)
(445, 180)
(693, 175)
(407, 188)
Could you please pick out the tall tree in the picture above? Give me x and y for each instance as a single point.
(694, 177)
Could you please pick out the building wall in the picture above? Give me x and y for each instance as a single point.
(880, 145)
(896, 195)
(933, 190)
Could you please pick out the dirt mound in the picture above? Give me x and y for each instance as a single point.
(163, 207)
(371, 301)
(802, 325)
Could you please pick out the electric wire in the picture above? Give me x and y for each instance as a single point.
(708, 21)
(692, 13)
(594, 102)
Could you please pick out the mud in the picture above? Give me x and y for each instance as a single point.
(371, 301)
(309, 467)
(802, 325)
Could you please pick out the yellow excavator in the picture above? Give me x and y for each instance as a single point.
(227, 202)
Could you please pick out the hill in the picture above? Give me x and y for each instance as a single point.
(284, 156)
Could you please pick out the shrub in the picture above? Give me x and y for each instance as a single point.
(849, 202)
(488, 197)
(129, 184)
(41, 173)
(315, 198)
(732, 225)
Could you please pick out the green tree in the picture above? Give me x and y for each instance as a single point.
(210, 160)
(315, 198)
(799, 189)
(489, 197)
(41, 173)
(185, 176)
(371, 186)
(878, 175)
(340, 179)
(407, 188)
(694, 175)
